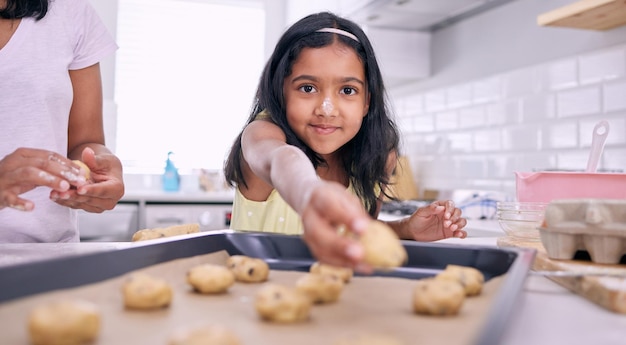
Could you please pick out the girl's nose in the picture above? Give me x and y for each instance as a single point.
(326, 108)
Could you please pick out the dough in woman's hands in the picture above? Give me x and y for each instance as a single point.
(282, 304)
(142, 291)
(438, 297)
(248, 269)
(471, 279)
(204, 335)
(210, 279)
(343, 273)
(69, 322)
(320, 288)
(382, 246)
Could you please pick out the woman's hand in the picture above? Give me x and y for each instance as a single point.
(437, 221)
(105, 189)
(28, 168)
(330, 207)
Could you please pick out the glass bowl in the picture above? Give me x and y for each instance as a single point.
(521, 219)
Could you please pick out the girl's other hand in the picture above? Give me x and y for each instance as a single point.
(437, 221)
(330, 208)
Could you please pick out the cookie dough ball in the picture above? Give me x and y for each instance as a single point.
(210, 279)
(438, 297)
(84, 169)
(70, 322)
(382, 246)
(278, 303)
(247, 269)
(204, 335)
(343, 273)
(471, 279)
(142, 291)
(368, 339)
(320, 288)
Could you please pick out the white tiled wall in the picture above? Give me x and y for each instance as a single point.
(476, 134)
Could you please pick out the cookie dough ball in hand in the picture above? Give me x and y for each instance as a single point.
(210, 279)
(471, 279)
(142, 291)
(247, 269)
(70, 322)
(343, 273)
(382, 246)
(204, 335)
(320, 288)
(438, 297)
(84, 169)
(278, 303)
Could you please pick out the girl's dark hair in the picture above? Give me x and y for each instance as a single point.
(365, 156)
(16, 9)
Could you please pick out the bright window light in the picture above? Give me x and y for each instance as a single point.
(186, 74)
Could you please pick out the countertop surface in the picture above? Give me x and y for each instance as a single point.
(546, 312)
(148, 196)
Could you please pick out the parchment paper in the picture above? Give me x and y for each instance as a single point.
(368, 305)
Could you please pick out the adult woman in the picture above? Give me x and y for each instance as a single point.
(51, 114)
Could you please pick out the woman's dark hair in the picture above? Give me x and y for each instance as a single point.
(16, 9)
(365, 156)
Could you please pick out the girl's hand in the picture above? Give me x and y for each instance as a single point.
(437, 221)
(28, 168)
(331, 207)
(103, 193)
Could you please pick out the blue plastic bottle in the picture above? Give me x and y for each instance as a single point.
(171, 178)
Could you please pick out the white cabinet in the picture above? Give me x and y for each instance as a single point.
(209, 216)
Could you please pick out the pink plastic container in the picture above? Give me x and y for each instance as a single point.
(546, 186)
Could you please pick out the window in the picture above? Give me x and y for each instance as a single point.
(186, 74)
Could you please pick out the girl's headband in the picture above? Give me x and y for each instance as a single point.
(339, 32)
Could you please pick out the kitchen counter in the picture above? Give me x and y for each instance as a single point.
(547, 313)
(157, 196)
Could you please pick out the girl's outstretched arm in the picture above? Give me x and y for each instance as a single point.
(324, 206)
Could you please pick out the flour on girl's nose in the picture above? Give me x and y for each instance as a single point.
(327, 106)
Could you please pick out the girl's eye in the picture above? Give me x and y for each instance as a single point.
(307, 88)
(348, 90)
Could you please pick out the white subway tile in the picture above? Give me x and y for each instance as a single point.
(446, 120)
(405, 124)
(459, 96)
(614, 160)
(424, 123)
(435, 101)
(561, 74)
(487, 90)
(617, 130)
(521, 138)
(602, 65)
(577, 102)
(614, 96)
(460, 142)
(472, 117)
(472, 168)
(521, 82)
(529, 162)
(560, 135)
(538, 108)
(496, 167)
(573, 160)
(487, 140)
(504, 112)
(414, 105)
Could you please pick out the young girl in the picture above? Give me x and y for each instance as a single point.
(319, 146)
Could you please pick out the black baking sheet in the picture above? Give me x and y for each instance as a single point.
(282, 252)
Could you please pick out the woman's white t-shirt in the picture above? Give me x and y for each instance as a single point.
(35, 100)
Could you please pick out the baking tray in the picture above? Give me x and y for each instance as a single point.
(282, 252)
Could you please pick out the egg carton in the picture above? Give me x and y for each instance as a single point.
(595, 225)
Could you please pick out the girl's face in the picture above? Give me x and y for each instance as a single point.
(326, 97)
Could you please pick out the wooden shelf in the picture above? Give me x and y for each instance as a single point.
(587, 14)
